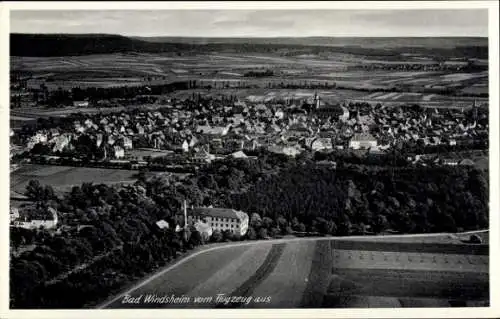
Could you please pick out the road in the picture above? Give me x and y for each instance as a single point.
(162, 277)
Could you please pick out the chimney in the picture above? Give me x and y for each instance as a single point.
(185, 215)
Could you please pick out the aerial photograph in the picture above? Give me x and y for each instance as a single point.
(249, 158)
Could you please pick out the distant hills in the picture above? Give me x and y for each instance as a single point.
(82, 44)
(44, 45)
(365, 42)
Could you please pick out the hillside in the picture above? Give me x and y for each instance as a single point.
(82, 44)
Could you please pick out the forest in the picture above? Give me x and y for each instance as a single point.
(45, 45)
(109, 237)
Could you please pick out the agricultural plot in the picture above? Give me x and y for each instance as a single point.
(232, 276)
(193, 275)
(325, 273)
(432, 100)
(288, 293)
(385, 274)
(227, 70)
(63, 178)
(58, 112)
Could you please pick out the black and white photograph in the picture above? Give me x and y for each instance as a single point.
(251, 158)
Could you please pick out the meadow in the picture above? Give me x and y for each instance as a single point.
(63, 178)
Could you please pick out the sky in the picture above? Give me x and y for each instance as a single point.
(256, 23)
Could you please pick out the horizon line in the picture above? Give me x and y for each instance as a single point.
(260, 37)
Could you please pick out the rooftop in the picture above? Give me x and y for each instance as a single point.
(217, 212)
(363, 137)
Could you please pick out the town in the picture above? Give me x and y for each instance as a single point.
(256, 172)
(193, 132)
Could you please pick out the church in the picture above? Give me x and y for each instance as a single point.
(324, 110)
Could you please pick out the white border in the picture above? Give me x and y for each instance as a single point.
(492, 311)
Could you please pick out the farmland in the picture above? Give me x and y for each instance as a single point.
(62, 178)
(326, 273)
(227, 70)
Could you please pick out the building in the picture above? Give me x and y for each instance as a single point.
(185, 146)
(467, 162)
(325, 110)
(80, 103)
(162, 224)
(285, 150)
(60, 142)
(220, 219)
(450, 161)
(14, 214)
(37, 223)
(37, 138)
(239, 154)
(203, 156)
(362, 141)
(119, 152)
(320, 144)
(345, 114)
(212, 130)
(127, 143)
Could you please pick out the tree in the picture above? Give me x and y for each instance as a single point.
(262, 233)
(48, 192)
(345, 226)
(34, 190)
(196, 238)
(301, 227)
(217, 236)
(381, 224)
(327, 227)
(227, 235)
(274, 231)
(251, 234)
(41, 149)
(267, 222)
(255, 221)
(282, 223)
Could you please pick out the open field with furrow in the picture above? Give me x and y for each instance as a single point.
(294, 263)
(323, 273)
(409, 283)
(319, 275)
(232, 275)
(248, 287)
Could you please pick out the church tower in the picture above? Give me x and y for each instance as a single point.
(475, 110)
(316, 101)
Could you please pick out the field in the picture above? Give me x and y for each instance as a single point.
(145, 69)
(423, 99)
(24, 115)
(62, 178)
(324, 273)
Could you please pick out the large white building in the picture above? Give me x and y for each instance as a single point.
(220, 219)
